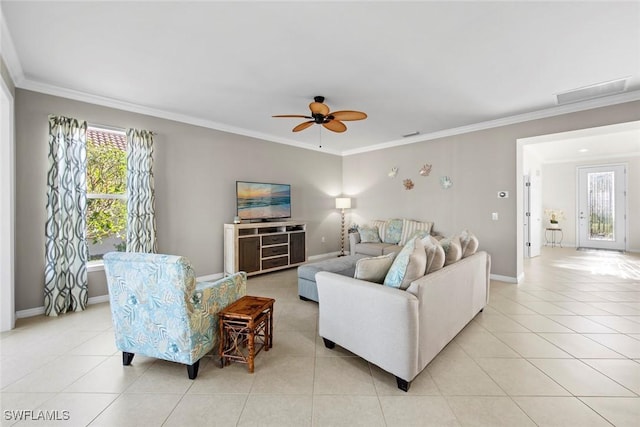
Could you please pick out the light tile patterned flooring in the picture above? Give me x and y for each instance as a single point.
(560, 349)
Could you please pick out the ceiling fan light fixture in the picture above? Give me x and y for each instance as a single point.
(321, 115)
(592, 91)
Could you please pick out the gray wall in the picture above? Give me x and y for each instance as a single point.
(480, 164)
(195, 172)
(196, 169)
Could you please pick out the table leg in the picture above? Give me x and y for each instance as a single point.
(221, 340)
(252, 346)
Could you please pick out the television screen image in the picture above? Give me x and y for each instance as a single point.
(262, 201)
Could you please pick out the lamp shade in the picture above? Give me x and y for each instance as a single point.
(343, 203)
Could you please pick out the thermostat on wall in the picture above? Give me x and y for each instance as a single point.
(503, 194)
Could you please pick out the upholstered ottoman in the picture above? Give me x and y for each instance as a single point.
(345, 266)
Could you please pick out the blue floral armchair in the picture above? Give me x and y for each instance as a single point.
(160, 311)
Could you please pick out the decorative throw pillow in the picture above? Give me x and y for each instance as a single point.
(374, 269)
(410, 227)
(452, 249)
(368, 234)
(382, 228)
(469, 243)
(410, 264)
(435, 254)
(393, 232)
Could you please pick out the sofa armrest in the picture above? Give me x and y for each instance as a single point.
(206, 302)
(354, 238)
(378, 323)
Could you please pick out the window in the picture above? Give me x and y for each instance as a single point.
(106, 191)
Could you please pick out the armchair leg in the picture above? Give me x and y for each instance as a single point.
(127, 358)
(328, 343)
(403, 384)
(192, 370)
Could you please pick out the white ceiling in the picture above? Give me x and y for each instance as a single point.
(594, 144)
(433, 67)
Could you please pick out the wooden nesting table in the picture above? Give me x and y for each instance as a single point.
(245, 324)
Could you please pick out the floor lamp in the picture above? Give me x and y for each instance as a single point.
(342, 203)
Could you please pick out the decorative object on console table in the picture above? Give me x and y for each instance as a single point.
(342, 203)
(554, 216)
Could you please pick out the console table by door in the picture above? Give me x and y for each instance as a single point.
(551, 236)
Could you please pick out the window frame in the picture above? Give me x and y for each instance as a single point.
(98, 264)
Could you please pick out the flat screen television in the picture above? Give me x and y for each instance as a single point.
(259, 201)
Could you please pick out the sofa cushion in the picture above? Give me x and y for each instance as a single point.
(369, 234)
(344, 266)
(374, 269)
(435, 254)
(452, 249)
(411, 227)
(382, 228)
(393, 231)
(469, 243)
(409, 264)
(374, 249)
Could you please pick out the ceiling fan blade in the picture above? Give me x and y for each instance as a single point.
(335, 126)
(347, 115)
(319, 108)
(293, 115)
(303, 126)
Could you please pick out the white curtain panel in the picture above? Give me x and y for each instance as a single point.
(66, 251)
(141, 221)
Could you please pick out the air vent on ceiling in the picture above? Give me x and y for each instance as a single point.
(593, 91)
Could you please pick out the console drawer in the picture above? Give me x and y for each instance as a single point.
(275, 262)
(274, 251)
(275, 239)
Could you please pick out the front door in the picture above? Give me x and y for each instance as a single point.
(602, 207)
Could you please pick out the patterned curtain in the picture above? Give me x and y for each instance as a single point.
(141, 221)
(66, 251)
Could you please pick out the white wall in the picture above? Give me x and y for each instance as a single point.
(7, 209)
(559, 192)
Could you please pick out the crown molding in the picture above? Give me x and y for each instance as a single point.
(9, 54)
(520, 118)
(154, 112)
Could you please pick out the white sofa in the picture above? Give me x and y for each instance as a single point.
(387, 244)
(402, 331)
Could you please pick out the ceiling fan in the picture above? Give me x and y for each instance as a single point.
(320, 114)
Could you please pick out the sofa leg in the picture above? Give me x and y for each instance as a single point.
(127, 358)
(403, 384)
(328, 343)
(192, 370)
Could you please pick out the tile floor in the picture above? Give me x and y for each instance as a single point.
(560, 349)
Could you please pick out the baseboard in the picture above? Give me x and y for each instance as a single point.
(502, 278)
(323, 256)
(38, 311)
